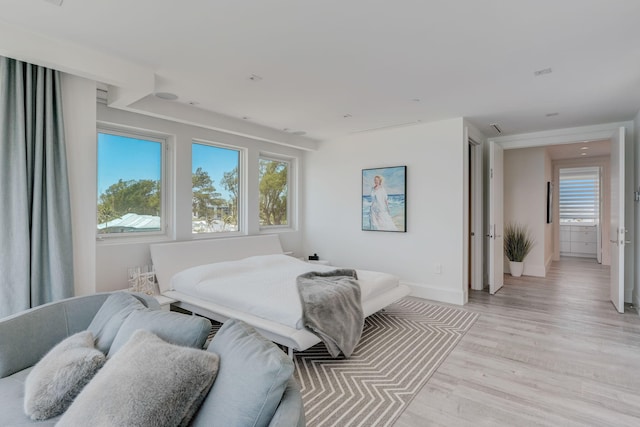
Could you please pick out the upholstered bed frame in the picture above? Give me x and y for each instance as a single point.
(171, 258)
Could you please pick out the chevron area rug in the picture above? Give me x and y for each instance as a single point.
(401, 347)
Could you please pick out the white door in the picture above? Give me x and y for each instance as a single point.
(496, 246)
(617, 233)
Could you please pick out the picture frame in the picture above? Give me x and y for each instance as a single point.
(549, 202)
(384, 204)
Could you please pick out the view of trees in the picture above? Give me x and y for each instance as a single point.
(273, 192)
(209, 205)
(142, 197)
(136, 196)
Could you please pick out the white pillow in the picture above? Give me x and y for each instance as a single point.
(148, 382)
(60, 375)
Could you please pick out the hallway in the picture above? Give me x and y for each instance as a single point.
(545, 352)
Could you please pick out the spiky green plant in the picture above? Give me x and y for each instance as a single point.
(517, 242)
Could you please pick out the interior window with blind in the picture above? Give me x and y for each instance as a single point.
(580, 195)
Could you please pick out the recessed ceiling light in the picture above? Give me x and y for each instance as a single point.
(584, 148)
(583, 154)
(299, 133)
(56, 2)
(542, 72)
(166, 95)
(552, 114)
(347, 116)
(416, 99)
(255, 78)
(245, 117)
(193, 103)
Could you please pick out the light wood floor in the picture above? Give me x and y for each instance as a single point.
(544, 352)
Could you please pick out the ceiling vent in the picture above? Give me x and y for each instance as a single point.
(102, 95)
(496, 127)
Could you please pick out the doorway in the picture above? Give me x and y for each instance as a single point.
(615, 133)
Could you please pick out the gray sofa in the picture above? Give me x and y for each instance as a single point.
(26, 337)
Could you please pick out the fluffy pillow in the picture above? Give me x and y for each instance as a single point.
(107, 321)
(175, 328)
(251, 380)
(148, 382)
(60, 375)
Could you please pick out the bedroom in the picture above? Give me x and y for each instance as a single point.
(432, 144)
(431, 149)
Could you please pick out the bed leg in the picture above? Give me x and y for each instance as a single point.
(290, 352)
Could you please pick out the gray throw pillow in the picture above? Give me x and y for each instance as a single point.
(107, 321)
(60, 375)
(147, 383)
(174, 328)
(251, 380)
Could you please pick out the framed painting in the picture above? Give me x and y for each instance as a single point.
(384, 204)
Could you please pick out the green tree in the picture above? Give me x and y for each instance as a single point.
(273, 192)
(134, 196)
(205, 198)
(230, 183)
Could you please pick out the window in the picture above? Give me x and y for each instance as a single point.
(215, 188)
(273, 182)
(130, 183)
(580, 195)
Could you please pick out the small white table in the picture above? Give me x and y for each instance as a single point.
(165, 302)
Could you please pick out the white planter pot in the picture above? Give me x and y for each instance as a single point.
(516, 268)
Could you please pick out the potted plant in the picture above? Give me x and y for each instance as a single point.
(517, 245)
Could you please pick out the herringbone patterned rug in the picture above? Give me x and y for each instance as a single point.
(400, 348)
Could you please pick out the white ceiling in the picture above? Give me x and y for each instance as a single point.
(331, 68)
(579, 150)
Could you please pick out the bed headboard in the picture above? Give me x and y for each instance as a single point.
(171, 258)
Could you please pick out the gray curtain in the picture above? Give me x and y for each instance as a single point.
(36, 259)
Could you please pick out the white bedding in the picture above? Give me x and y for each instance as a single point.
(265, 285)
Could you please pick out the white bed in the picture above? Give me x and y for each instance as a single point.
(255, 282)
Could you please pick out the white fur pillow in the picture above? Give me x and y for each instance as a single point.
(60, 375)
(148, 382)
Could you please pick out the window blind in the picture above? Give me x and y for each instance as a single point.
(579, 194)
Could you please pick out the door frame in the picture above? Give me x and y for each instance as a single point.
(477, 260)
(474, 193)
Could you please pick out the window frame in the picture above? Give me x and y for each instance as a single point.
(166, 195)
(242, 224)
(572, 174)
(291, 194)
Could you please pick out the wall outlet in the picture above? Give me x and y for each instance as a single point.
(438, 268)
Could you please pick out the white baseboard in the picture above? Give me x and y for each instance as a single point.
(535, 270)
(434, 293)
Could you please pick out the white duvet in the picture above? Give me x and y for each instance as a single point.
(265, 285)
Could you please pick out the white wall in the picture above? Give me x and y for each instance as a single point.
(79, 107)
(435, 155)
(114, 257)
(525, 201)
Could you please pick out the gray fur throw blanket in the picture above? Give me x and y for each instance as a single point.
(332, 309)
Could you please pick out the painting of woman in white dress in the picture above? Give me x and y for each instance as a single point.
(383, 199)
